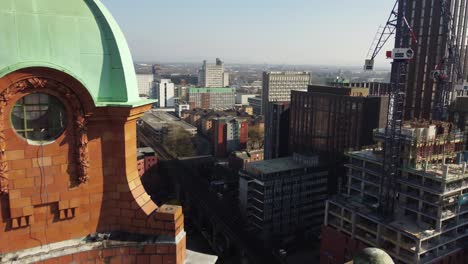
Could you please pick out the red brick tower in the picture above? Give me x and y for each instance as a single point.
(68, 159)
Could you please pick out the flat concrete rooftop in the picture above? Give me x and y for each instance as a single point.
(275, 165)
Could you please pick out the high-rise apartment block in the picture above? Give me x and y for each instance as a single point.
(229, 134)
(459, 114)
(277, 86)
(375, 88)
(284, 196)
(328, 119)
(164, 92)
(277, 130)
(430, 219)
(145, 84)
(213, 75)
(276, 94)
(211, 98)
(331, 120)
(425, 18)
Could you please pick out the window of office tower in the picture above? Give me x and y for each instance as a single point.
(39, 117)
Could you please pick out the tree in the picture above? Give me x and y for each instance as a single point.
(256, 137)
(179, 142)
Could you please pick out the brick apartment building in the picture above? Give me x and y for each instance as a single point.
(70, 190)
(229, 134)
(211, 98)
(239, 159)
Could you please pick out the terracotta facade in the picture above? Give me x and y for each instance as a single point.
(83, 182)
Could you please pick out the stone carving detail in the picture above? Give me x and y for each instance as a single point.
(4, 97)
(80, 122)
(82, 148)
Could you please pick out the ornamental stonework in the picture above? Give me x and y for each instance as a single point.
(79, 119)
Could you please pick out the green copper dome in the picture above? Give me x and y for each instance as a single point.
(372, 256)
(79, 37)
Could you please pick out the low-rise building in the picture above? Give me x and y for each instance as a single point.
(146, 159)
(239, 159)
(157, 125)
(242, 99)
(180, 106)
(256, 104)
(246, 109)
(285, 196)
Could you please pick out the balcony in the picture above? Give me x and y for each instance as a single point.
(447, 214)
(464, 208)
(431, 199)
(390, 235)
(433, 243)
(334, 222)
(407, 254)
(455, 187)
(356, 186)
(413, 206)
(412, 194)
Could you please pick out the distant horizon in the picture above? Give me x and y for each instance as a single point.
(296, 32)
(227, 63)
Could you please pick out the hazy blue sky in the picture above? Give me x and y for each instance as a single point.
(330, 32)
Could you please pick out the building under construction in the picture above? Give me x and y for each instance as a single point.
(430, 219)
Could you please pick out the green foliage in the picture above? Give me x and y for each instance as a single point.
(179, 142)
(256, 137)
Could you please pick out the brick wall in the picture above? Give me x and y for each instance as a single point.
(46, 203)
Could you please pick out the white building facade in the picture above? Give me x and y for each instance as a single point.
(213, 75)
(145, 84)
(243, 99)
(164, 89)
(277, 86)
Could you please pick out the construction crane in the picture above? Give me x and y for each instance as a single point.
(392, 148)
(381, 37)
(449, 69)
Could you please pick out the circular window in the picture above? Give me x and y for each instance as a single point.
(38, 117)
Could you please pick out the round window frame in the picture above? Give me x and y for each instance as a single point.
(44, 141)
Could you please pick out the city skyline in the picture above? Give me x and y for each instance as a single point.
(272, 32)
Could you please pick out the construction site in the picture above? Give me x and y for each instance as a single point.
(408, 194)
(430, 219)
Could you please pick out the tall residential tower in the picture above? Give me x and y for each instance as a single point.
(213, 75)
(165, 93)
(426, 20)
(276, 95)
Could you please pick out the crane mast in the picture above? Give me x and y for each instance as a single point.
(392, 148)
